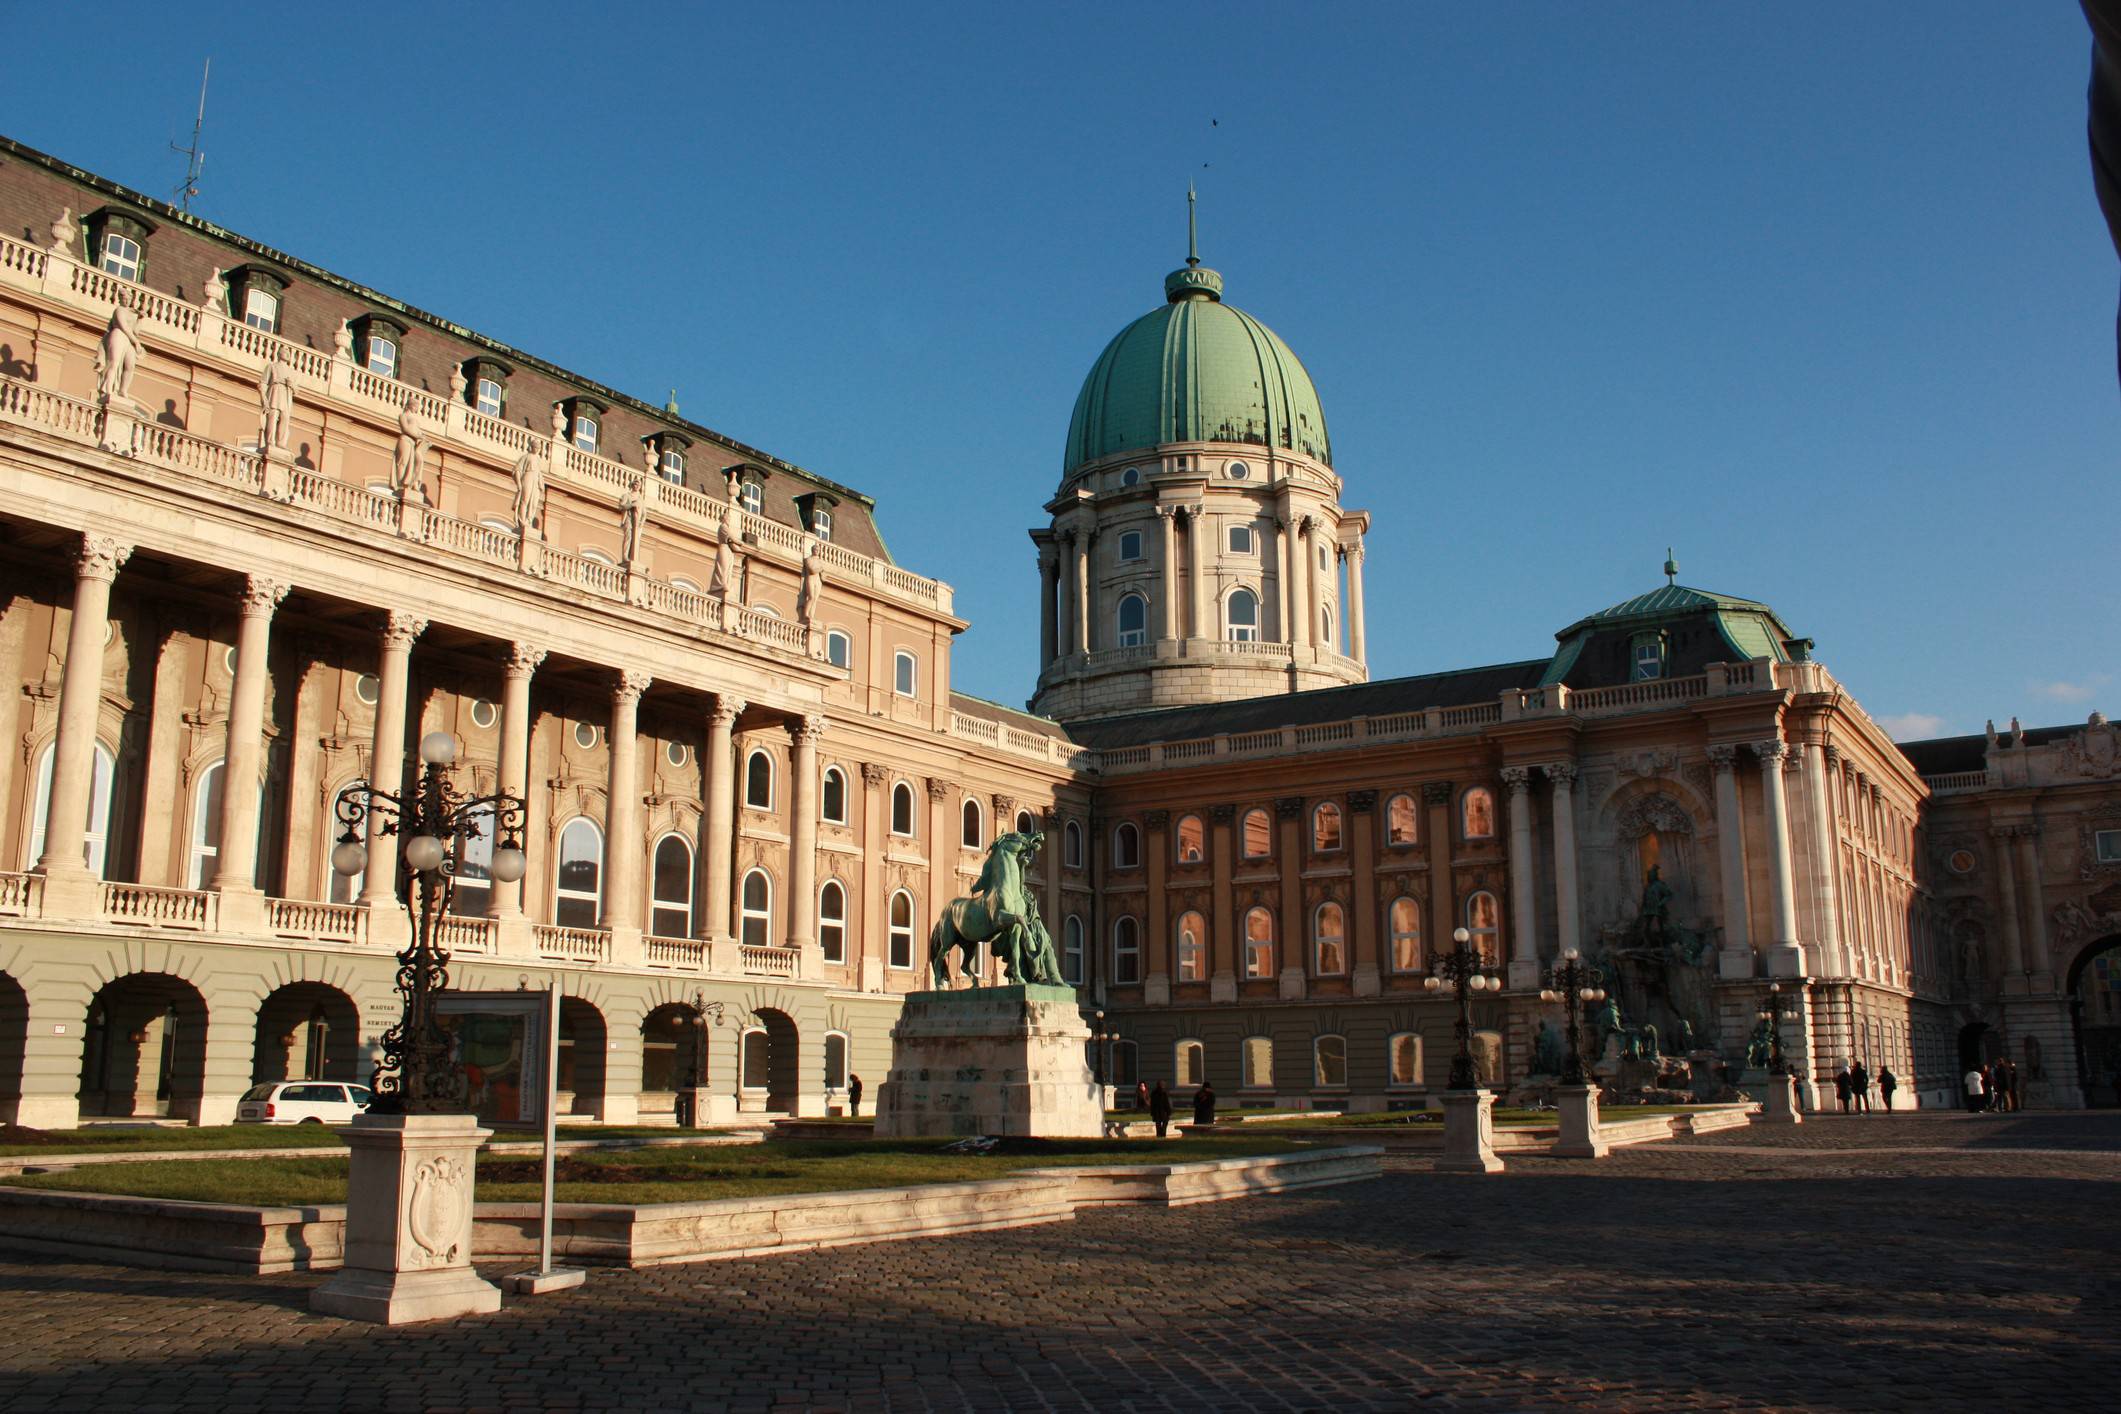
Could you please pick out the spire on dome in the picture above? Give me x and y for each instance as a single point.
(1671, 567)
(1196, 281)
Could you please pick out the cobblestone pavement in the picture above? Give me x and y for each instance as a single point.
(1883, 1264)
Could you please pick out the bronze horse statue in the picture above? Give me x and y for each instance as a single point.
(1002, 911)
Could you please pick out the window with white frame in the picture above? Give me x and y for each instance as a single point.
(1126, 846)
(900, 929)
(473, 889)
(1126, 950)
(206, 826)
(821, 523)
(586, 430)
(1329, 1062)
(1483, 917)
(598, 556)
(1646, 657)
(839, 648)
(671, 888)
(1130, 545)
(1329, 937)
(758, 781)
(972, 828)
(1237, 471)
(1072, 845)
(1241, 615)
(1025, 825)
(902, 809)
(120, 256)
(1477, 813)
(1404, 921)
(1258, 834)
(752, 496)
(2107, 844)
(1259, 943)
(756, 908)
(1072, 951)
(1130, 477)
(261, 310)
(1325, 829)
(578, 890)
(1241, 542)
(1133, 621)
(1257, 1053)
(754, 1060)
(832, 921)
(835, 1060)
(905, 673)
(95, 850)
(1325, 627)
(1192, 948)
(1190, 1062)
(670, 464)
(486, 396)
(1403, 1055)
(1191, 837)
(832, 799)
(382, 354)
(1400, 818)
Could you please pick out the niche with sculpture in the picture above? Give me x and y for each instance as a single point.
(1659, 955)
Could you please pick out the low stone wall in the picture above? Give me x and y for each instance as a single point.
(228, 1238)
(59, 1158)
(1614, 1126)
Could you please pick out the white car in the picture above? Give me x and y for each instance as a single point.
(302, 1102)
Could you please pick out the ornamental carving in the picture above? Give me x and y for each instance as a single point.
(2079, 921)
(874, 774)
(1436, 793)
(400, 629)
(629, 686)
(1772, 750)
(806, 730)
(1361, 802)
(1222, 814)
(1517, 778)
(2089, 865)
(99, 557)
(436, 1214)
(2095, 751)
(938, 788)
(1157, 819)
(1289, 807)
(261, 596)
(725, 711)
(1562, 774)
(523, 660)
(1656, 761)
(1655, 811)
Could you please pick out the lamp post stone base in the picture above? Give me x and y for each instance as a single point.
(408, 1223)
(1577, 1106)
(1468, 1133)
(1782, 1101)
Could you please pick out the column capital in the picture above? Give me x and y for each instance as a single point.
(1436, 793)
(938, 788)
(523, 660)
(401, 628)
(1518, 779)
(1834, 757)
(1158, 820)
(1773, 749)
(1561, 773)
(1792, 759)
(1355, 551)
(261, 596)
(725, 711)
(1361, 802)
(1222, 814)
(627, 687)
(1289, 807)
(807, 729)
(1166, 510)
(1723, 756)
(874, 774)
(99, 556)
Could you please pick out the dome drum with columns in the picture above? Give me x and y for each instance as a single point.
(1198, 550)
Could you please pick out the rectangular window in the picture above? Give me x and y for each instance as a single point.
(903, 674)
(672, 466)
(382, 356)
(489, 397)
(2108, 845)
(261, 310)
(1240, 539)
(821, 523)
(121, 256)
(1649, 658)
(585, 432)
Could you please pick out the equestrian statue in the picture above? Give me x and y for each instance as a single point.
(1000, 911)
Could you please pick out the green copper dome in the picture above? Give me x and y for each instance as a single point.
(1196, 370)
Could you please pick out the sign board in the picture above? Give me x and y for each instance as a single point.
(499, 1038)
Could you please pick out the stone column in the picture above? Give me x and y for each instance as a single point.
(1295, 941)
(1222, 935)
(1156, 925)
(1169, 622)
(1567, 917)
(803, 734)
(1358, 645)
(1786, 957)
(1048, 606)
(1436, 839)
(1197, 528)
(1818, 802)
(1284, 571)
(1365, 978)
(386, 768)
(876, 888)
(623, 845)
(1085, 593)
(1065, 642)
(718, 825)
(243, 756)
(1736, 957)
(1524, 938)
(70, 891)
(2007, 886)
(1302, 614)
(513, 769)
(1314, 598)
(2039, 967)
(942, 845)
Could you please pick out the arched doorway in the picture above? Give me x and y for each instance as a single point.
(306, 1031)
(673, 1057)
(2095, 1007)
(1979, 1045)
(14, 1041)
(769, 1063)
(144, 1050)
(582, 1045)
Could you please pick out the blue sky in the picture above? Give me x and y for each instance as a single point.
(1816, 293)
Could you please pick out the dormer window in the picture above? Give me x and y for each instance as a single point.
(261, 310)
(120, 256)
(117, 243)
(753, 497)
(254, 296)
(379, 344)
(486, 385)
(486, 396)
(815, 508)
(585, 422)
(670, 456)
(1646, 657)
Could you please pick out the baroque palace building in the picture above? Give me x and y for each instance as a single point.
(262, 529)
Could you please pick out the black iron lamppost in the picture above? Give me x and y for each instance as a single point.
(1097, 1047)
(695, 1022)
(1463, 969)
(1774, 1009)
(1574, 983)
(435, 821)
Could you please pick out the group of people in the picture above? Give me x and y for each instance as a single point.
(1158, 1103)
(1852, 1086)
(1992, 1088)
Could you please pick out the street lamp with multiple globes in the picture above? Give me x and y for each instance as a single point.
(1463, 969)
(1774, 1009)
(435, 821)
(694, 1020)
(1574, 983)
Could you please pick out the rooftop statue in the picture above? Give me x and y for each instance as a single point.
(1001, 910)
(118, 357)
(530, 496)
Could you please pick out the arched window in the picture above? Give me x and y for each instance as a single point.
(596, 556)
(1325, 627)
(1133, 619)
(205, 826)
(1477, 812)
(1258, 834)
(756, 1061)
(345, 888)
(1072, 845)
(1259, 943)
(1241, 616)
(1400, 820)
(1126, 846)
(1258, 1056)
(839, 648)
(474, 868)
(96, 849)
(1192, 948)
(1405, 921)
(1192, 839)
(1403, 1057)
(1325, 829)
(832, 800)
(971, 831)
(578, 882)
(1025, 825)
(1329, 1062)
(1126, 950)
(1190, 1062)
(832, 921)
(902, 809)
(757, 908)
(1072, 951)
(758, 781)
(670, 913)
(1329, 936)
(901, 929)
(1482, 917)
(835, 1060)
(905, 668)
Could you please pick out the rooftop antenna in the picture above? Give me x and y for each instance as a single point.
(195, 156)
(1192, 229)
(1671, 567)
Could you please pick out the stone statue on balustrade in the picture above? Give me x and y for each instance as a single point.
(276, 407)
(633, 514)
(213, 294)
(342, 341)
(813, 597)
(530, 496)
(1000, 910)
(727, 581)
(405, 477)
(63, 232)
(118, 359)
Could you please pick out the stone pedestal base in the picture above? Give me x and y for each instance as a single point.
(1577, 1106)
(540, 1283)
(990, 1060)
(1468, 1133)
(408, 1223)
(1781, 1105)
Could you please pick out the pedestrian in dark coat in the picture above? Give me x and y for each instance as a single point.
(1844, 1087)
(1141, 1094)
(1160, 1108)
(1887, 1084)
(1860, 1087)
(1204, 1104)
(854, 1094)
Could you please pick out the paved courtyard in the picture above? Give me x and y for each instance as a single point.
(1923, 1262)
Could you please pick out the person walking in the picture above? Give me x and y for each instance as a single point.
(1844, 1086)
(1204, 1104)
(854, 1095)
(1972, 1083)
(1160, 1109)
(1988, 1089)
(1860, 1087)
(1887, 1084)
(1141, 1094)
(2006, 1085)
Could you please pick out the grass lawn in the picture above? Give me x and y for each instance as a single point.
(1502, 1115)
(653, 1175)
(100, 1139)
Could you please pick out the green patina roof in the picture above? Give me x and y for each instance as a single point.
(1749, 628)
(1196, 370)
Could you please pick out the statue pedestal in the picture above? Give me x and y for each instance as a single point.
(1468, 1133)
(1781, 1101)
(408, 1223)
(1577, 1106)
(990, 1060)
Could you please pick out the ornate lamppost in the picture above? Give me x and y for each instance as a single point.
(1574, 983)
(1463, 970)
(695, 1022)
(435, 821)
(1775, 1008)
